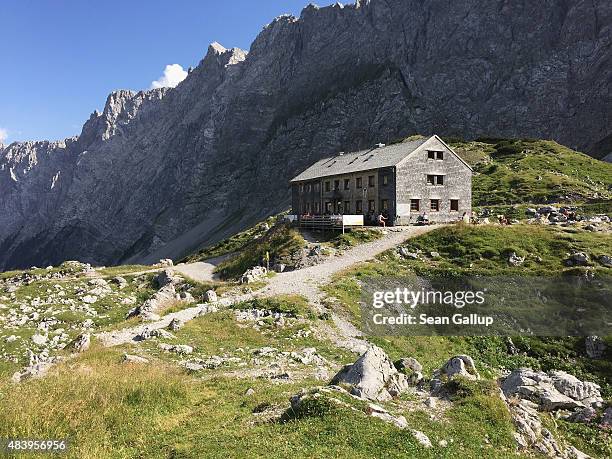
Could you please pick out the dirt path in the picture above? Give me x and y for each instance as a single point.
(202, 271)
(305, 282)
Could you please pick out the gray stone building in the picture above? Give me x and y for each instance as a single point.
(402, 181)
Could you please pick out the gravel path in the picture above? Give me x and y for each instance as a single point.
(202, 271)
(305, 282)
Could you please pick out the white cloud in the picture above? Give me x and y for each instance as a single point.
(3, 135)
(173, 75)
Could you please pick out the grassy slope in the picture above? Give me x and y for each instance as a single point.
(533, 171)
(459, 246)
(110, 409)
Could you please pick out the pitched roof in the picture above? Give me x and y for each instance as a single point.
(364, 160)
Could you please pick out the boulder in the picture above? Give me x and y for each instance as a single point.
(166, 263)
(605, 260)
(82, 342)
(373, 376)
(462, 365)
(175, 324)
(129, 358)
(210, 296)
(409, 363)
(584, 391)
(254, 274)
(552, 391)
(515, 260)
(595, 347)
(167, 277)
(121, 282)
(577, 259)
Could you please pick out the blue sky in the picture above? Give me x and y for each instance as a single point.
(60, 58)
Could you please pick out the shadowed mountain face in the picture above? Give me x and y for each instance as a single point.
(159, 173)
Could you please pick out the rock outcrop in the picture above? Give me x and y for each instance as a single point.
(373, 376)
(158, 173)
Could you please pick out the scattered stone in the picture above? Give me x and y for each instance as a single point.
(176, 348)
(166, 263)
(39, 339)
(279, 267)
(404, 252)
(250, 391)
(11, 339)
(605, 260)
(409, 363)
(82, 342)
(129, 358)
(515, 260)
(422, 438)
(373, 376)
(462, 365)
(89, 299)
(431, 402)
(120, 281)
(434, 254)
(552, 391)
(254, 274)
(167, 277)
(175, 324)
(210, 296)
(577, 259)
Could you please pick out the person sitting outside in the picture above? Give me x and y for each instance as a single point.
(381, 220)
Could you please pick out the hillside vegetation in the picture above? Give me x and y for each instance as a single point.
(533, 171)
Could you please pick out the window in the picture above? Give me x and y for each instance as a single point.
(371, 181)
(347, 207)
(385, 180)
(414, 205)
(435, 179)
(317, 207)
(454, 205)
(439, 155)
(435, 205)
(328, 207)
(308, 188)
(316, 187)
(384, 204)
(307, 207)
(301, 187)
(358, 207)
(347, 183)
(336, 185)
(371, 206)
(358, 183)
(431, 155)
(435, 155)
(327, 186)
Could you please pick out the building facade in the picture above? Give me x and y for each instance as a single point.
(402, 181)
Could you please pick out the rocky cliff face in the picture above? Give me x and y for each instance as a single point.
(159, 173)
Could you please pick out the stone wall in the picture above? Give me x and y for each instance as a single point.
(412, 184)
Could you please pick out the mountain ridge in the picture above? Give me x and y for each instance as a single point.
(158, 173)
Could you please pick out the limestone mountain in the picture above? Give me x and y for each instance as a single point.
(160, 173)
